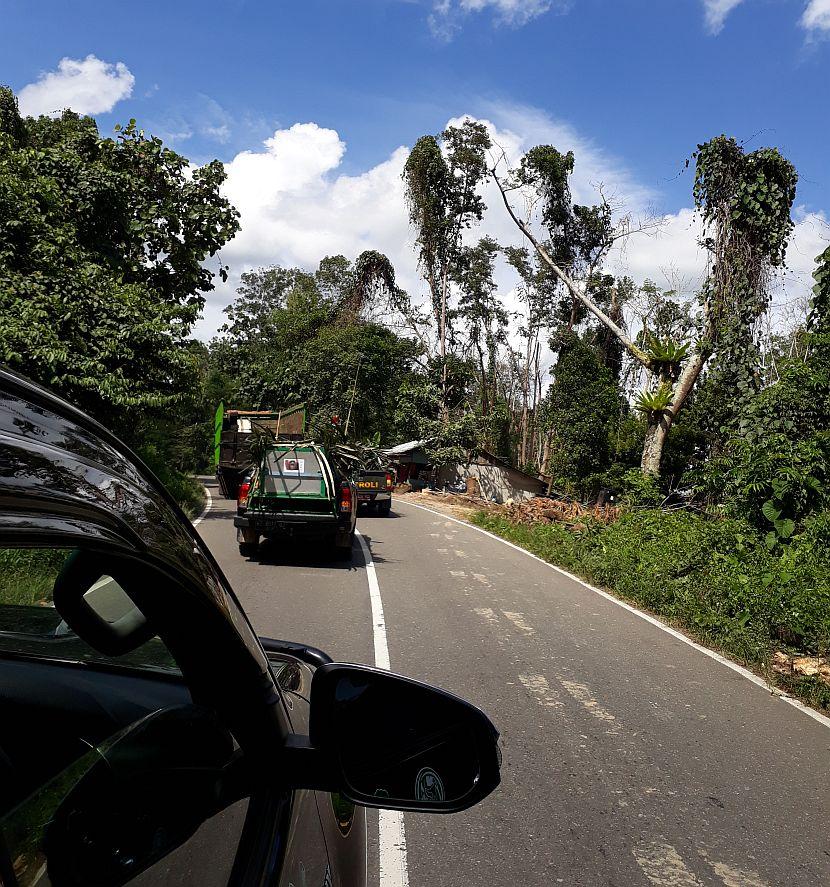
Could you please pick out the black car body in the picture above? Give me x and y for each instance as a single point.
(146, 731)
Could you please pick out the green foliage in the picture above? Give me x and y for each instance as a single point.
(578, 234)
(776, 471)
(657, 400)
(441, 179)
(183, 487)
(666, 355)
(713, 578)
(484, 315)
(103, 245)
(745, 201)
(818, 321)
(27, 575)
(418, 417)
(751, 193)
(583, 409)
(638, 489)
(293, 336)
(775, 481)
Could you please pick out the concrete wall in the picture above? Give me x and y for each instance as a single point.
(495, 482)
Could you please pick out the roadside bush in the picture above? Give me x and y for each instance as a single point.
(184, 488)
(715, 578)
(637, 488)
(27, 575)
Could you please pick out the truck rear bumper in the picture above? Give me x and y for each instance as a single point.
(373, 497)
(296, 524)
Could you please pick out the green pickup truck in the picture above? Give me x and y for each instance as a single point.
(296, 493)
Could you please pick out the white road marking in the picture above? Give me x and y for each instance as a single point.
(459, 574)
(735, 877)
(518, 619)
(482, 578)
(738, 669)
(460, 553)
(537, 685)
(663, 867)
(585, 697)
(488, 615)
(206, 509)
(392, 837)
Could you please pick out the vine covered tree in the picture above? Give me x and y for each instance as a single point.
(744, 201)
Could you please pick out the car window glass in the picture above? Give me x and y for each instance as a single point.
(30, 624)
(293, 472)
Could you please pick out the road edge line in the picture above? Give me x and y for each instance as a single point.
(738, 669)
(206, 509)
(392, 865)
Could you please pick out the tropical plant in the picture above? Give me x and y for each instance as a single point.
(655, 401)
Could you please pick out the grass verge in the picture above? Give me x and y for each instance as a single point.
(713, 579)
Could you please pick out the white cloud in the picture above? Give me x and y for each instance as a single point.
(716, 11)
(296, 207)
(87, 86)
(513, 12)
(447, 15)
(816, 16)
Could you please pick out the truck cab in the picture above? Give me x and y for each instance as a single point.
(296, 492)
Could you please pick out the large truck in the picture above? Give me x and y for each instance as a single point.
(233, 430)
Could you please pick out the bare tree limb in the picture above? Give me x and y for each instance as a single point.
(576, 291)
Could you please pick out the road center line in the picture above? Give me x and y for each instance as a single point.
(518, 619)
(739, 669)
(664, 867)
(391, 835)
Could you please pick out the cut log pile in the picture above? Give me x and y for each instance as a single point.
(802, 666)
(547, 511)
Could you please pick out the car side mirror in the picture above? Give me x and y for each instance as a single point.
(393, 742)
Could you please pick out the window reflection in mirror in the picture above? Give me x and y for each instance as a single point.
(111, 603)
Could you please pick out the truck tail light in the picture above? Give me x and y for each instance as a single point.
(345, 497)
(388, 481)
(242, 496)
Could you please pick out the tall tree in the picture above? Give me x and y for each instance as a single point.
(484, 316)
(103, 245)
(537, 293)
(745, 202)
(442, 178)
(582, 409)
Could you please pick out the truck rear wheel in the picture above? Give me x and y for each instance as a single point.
(343, 552)
(247, 549)
(384, 508)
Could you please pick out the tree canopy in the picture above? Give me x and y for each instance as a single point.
(103, 249)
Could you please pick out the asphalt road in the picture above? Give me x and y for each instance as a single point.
(630, 758)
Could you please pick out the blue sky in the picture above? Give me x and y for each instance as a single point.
(637, 83)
